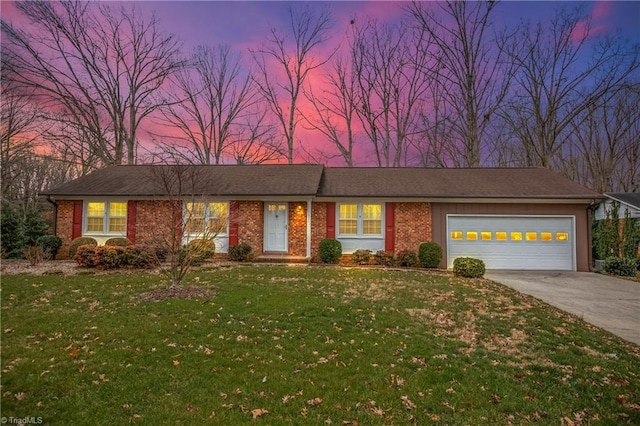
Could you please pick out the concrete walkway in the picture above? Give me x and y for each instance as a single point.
(606, 302)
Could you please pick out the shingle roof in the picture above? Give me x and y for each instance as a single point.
(226, 180)
(450, 183)
(629, 198)
(329, 182)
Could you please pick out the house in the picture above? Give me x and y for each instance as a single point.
(629, 203)
(512, 218)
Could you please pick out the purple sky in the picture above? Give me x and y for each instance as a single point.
(245, 25)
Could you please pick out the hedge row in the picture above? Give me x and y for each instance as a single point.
(113, 257)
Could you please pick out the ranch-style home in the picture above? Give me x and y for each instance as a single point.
(512, 218)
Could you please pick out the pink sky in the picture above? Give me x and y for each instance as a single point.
(245, 25)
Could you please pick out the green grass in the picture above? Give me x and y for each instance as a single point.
(309, 345)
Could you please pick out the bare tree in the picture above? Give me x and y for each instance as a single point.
(284, 63)
(186, 232)
(93, 68)
(390, 64)
(563, 70)
(334, 111)
(469, 71)
(210, 103)
(605, 144)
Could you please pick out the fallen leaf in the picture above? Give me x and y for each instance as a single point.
(212, 415)
(408, 404)
(258, 412)
(176, 362)
(304, 412)
(20, 396)
(314, 402)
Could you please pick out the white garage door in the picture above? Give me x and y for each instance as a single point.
(513, 242)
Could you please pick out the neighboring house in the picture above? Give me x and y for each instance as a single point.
(628, 201)
(511, 218)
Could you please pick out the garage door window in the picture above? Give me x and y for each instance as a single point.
(516, 236)
(456, 235)
(501, 236)
(472, 235)
(546, 236)
(562, 236)
(531, 236)
(485, 235)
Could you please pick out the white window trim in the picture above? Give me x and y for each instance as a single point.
(195, 235)
(360, 225)
(105, 224)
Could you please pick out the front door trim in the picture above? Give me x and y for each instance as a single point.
(276, 226)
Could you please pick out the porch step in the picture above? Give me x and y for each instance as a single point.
(280, 258)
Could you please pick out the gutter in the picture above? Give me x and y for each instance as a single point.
(55, 214)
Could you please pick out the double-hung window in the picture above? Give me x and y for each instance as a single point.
(106, 217)
(203, 218)
(360, 219)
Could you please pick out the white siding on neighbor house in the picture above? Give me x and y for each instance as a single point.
(530, 242)
(601, 213)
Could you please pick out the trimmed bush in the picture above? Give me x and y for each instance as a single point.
(407, 258)
(468, 267)
(50, 245)
(109, 257)
(330, 250)
(621, 266)
(140, 256)
(430, 254)
(80, 241)
(84, 255)
(384, 258)
(198, 251)
(240, 252)
(361, 257)
(120, 242)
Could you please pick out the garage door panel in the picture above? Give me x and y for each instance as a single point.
(553, 250)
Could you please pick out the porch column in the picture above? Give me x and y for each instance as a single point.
(308, 228)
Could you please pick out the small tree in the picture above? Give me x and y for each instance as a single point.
(630, 235)
(12, 239)
(193, 224)
(34, 227)
(606, 236)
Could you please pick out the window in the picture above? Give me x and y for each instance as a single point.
(546, 236)
(472, 235)
(108, 217)
(485, 235)
(456, 235)
(501, 236)
(531, 236)
(203, 218)
(360, 219)
(562, 236)
(516, 236)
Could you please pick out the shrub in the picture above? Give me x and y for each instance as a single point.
(407, 258)
(34, 254)
(384, 258)
(34, 227)
(109, 257)
(622, 266)
(197, 252)
(50, 245)
(140, 256)
(84, 255)
(468, 267)
(330, 250)
(80, 241)
(430, 254)
(638, 263)
(240, 252)
(12, 230)
(361, 257)
(120, 242)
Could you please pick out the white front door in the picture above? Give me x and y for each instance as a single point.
(276, 217)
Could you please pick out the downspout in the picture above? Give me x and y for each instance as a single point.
(54, 226)
(308, 229)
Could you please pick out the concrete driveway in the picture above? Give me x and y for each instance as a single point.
(606, 302)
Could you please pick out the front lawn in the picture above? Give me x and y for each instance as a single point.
(305, 345)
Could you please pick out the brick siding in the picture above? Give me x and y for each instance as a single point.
(251, 224)
(64, 227)
(412, 226)
(318, 227)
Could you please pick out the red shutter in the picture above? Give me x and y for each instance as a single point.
(76, 230)
(390, 227)
(177, 214)
(331, 220)
(131, 221)
(234, 213)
